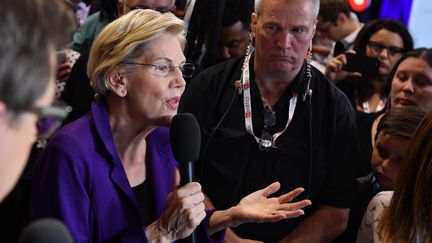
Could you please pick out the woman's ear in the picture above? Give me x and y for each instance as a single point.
(117, 82)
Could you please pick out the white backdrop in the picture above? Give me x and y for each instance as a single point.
(420, 23)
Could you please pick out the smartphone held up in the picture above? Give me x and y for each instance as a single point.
(367, 66)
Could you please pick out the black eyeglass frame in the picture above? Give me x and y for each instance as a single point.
(392, 50)
(54, 114)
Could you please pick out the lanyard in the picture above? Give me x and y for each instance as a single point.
(248, 106)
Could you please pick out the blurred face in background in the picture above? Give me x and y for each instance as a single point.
(387, 158)
(233, 41)
(163, 6)
(329, 30)
(412, 84)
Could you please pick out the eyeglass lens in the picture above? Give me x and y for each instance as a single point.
(46, 126)
(269, 117)
(50, 119)
(377, 47)
(187, 69)
(266, 139)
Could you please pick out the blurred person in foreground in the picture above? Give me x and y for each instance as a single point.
(111, 175)
(271, 116)
(33, 29)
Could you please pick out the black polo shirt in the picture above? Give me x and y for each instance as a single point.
(231, 165)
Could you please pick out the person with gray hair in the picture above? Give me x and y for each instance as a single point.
(33, 29)
(111, 175)
(270, 116)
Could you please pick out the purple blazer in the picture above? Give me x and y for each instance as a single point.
(81, 181)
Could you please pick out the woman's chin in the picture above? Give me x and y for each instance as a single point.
(165, 121)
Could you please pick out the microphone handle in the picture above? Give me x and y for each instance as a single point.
(186, 176)
(186, 173)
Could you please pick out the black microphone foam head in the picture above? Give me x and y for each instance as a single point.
(46, 231)
(185, 136)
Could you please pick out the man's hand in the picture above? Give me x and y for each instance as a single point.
(257, 207)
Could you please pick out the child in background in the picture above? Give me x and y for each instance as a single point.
(394, 132)
(404, 216)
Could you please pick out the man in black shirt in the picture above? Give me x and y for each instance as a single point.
(271, 117)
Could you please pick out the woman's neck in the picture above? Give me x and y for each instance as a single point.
(378, 85)
(130, 141)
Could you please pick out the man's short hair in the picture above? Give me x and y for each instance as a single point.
(258, 7)
(330, 9)
(239, 10)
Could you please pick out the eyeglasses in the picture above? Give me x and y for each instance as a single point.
(159, 9)
(266, 139)
(378, 48)
(50, 118)
(165, 70)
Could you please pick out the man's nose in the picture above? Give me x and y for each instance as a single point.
(223, 53)
(284, 39)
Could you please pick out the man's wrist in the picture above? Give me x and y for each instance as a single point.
(222, 219)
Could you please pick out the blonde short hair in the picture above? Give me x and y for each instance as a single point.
(125, 39)
(316, 3)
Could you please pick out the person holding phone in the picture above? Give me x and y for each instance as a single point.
(381, 42)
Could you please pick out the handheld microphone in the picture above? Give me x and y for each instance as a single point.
(47, 230)
(185, 136)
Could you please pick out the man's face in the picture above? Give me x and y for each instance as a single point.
(283, 31)
(233, 41)
(159, 5)
(329, 29)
